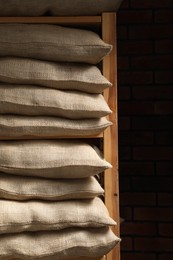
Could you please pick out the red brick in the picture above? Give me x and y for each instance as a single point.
(131, 16)
(125, 184)
(135, 138)
(124, 93)
(164, 138)
(166, 230)
(148, 50)
(145, 108)
(126, 213)
(152, 62)
(125, 153)
(155, 123)
(165, 257)
(123, 63)
(124, 123)
(164, 46)
(138, 198)
(138, 229)
(122, 32)
(151, 93)
(148, 32)
(164, 77)
(151, 4)
(136, 168)
(163, 16)
(135, 78)
(153, 244)
(165, 199)
(164, 108)
(153, 153)
(153, 214)
(136, 108)
(124, 4)
(134, 47)
(126, 244)
(153, 183)
(138, 256)
(164, 168)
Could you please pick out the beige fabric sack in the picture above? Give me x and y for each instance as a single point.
(57, 8)
(52, 42)
(16, 127)
(37, 101)
(51, 159)
(34, 215)
(26, 188)
(52, 245)
(82, 77)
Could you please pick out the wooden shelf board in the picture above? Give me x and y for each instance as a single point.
(78, 258)
(56, 20)
(52, 137)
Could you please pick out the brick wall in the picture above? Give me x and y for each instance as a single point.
(145, 79)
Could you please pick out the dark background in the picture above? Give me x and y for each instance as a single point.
(145, 93)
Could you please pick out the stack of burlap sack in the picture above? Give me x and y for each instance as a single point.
(50, 205)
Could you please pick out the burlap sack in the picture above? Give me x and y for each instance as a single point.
(26, 188)
(57, 8)
(52, 42)
(17, 127)
(53, 245)
(41, 215)
(51, 159)
(87, 78)
(37, 101)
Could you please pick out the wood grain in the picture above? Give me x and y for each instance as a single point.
(78, 258)
(54, 20)
(52, 137)
(111, 183)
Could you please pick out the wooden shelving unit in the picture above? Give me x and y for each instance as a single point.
(107, 24)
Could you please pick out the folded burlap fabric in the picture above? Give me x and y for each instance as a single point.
(38, 101)
(41, 215)
(71, 242)
(52, 42)
(20, 188)
(16, 127)
(81, 77)
(57, 8)
(51, 159)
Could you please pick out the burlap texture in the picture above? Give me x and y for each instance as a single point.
(82, 77)
(51, 159)
(52, 42)
(12, 126)
(57, 8)
(38, 101)
(42, 216)
(56, 244)
(21, 188)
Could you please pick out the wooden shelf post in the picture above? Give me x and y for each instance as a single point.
(111, 134)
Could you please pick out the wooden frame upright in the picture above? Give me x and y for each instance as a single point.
(110, 136)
